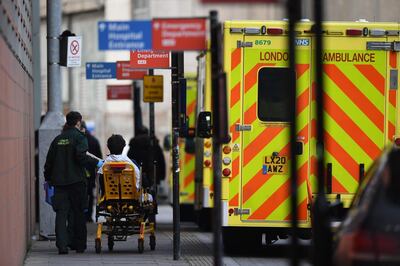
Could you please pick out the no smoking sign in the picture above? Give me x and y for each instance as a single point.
(74, 48)
(74, 51)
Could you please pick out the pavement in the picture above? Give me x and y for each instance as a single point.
(196, 249)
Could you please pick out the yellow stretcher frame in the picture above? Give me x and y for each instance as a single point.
(127, 210)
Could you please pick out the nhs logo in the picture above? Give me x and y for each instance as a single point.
(302, 42)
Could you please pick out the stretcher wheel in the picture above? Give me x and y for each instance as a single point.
(141, 245)
(97, 245)
(152, 242)
(110, 243)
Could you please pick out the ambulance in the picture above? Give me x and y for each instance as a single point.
(187, 154)
(204, 189)
(361, 115)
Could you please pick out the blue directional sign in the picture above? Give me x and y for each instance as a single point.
(101, 70)
(125, 35)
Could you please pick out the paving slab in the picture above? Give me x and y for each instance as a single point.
(196, 249)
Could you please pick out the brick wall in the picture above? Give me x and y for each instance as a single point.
(16, 158)
(16, 132)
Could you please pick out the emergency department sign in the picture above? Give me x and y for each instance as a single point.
(182, 34)
(125, 71)
(149, 59)
(153, 89)
(74, 51)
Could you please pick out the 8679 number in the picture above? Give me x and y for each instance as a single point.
(262, 42)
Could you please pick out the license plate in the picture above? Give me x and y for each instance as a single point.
(276, 165)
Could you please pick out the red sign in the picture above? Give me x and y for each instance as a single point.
(119, 92)
(149, 59)
(184, 34)
(125, 71)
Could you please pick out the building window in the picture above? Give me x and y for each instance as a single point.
(141, 9)
(273, 94)
(140, 4)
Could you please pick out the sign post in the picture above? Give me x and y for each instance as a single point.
(137, 110)
(322, 236)
(215, 28)
(176, 73)
(152, 92)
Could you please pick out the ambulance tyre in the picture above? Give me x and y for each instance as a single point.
(241, 240)
(186, 212)
(205, 219)
(231, 245)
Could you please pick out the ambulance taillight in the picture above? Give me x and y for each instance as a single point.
(226, 172)
(207, 144)
(274, 31)
(226, 149)
(354, 32)
(397, 142)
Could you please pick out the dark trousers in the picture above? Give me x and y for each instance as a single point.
(69, 203)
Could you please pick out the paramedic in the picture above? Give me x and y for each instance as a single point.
(65, 170)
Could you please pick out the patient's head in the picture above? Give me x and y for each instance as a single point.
(116, 144)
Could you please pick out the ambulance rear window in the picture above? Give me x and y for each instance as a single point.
(273, 94)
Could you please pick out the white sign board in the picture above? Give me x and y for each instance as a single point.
(74, 50)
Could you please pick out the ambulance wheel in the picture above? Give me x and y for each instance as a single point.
(205, 219)
(110, 243)
(230, 242)
(241, 240)
(97, 245)
(186, 212)
(140, 245)
(152, 242)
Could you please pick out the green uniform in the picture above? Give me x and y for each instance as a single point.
(64, 169)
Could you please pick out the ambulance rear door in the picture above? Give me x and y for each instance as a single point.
(265, 159)
(359, 117)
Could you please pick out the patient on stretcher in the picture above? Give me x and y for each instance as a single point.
(116, 144)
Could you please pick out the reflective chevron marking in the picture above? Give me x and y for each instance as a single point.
(355, 95)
